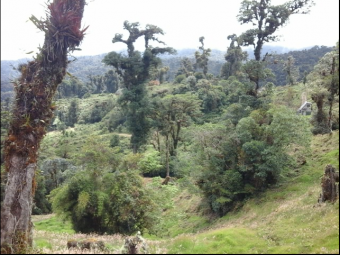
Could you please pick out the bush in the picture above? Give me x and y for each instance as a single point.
(40, 204)
(108, 202)
(180, 78)
(115, 119)
(114, 141)
(150, 164)
(319, 121)
(199, 75)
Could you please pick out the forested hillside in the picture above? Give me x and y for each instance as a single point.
(84, 67)
(196, 150)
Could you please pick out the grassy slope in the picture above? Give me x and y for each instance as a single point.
(285, 219)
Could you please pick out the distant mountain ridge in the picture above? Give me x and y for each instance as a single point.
(92, 65)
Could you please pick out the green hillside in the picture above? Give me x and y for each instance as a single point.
(146, 151)
(284, 220)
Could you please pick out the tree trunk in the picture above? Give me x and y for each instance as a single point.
(32, 113)
(328, 185)
(16, 226)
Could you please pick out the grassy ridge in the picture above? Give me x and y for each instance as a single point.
(286, 219)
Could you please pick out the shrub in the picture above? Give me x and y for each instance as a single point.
(180, 78)
(114, 141)
(150, 164)
(108, 202)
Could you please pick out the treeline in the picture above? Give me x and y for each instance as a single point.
(88, 70)
(304, 62)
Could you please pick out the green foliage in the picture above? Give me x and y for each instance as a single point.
(247, 129)
(98, 112)
(234, 57)
(179, 78)
(72, 115)
(230, 157)
(99, 197)
(87, 95)
(235, 112)
(114, 141)
(202, 58)
(150, 164)
(135, 69)
(256, 71)
(249, 158)
(96, 157)
(199, 75)
(287, 128)
(319, 121)
(40, 203)
(186, 68)
(111, 81)
(305, 60)
(136, 106)
(212, 96)
(71, 87)
(130, 207)
(115, 119)
(191, 80)
(55, 171)
(173, 112)
(279, 220)
(163, 197)
(291, 71)
(55, 225)
(115, 203)
(325, 92)
(267, 18)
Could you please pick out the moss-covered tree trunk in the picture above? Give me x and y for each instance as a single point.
(32, 113)
(328, 184)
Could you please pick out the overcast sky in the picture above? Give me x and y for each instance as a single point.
(183, 22)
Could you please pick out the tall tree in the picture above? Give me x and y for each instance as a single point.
(267, 18)
(186, 67)
(32, 112)
(170, 114)
(72, 113)
(111, 80)
(333, 84)
(326, 89)
(135, 71)
(234, 58)
(97, 83)
(292, 72)
(202, 58)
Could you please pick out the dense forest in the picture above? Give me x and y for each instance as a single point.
(133, 131)
(83, 68)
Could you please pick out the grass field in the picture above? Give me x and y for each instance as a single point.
(283, 220)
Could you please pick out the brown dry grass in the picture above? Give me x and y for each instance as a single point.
(56, 243)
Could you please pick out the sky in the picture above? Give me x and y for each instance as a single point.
(183, 22)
